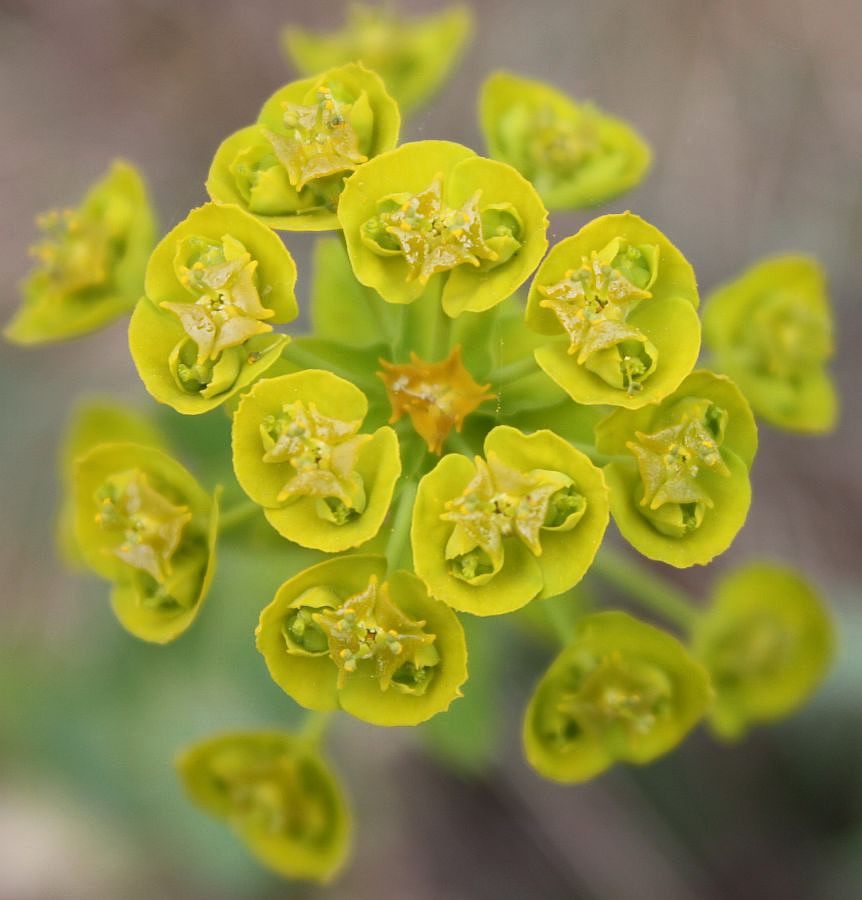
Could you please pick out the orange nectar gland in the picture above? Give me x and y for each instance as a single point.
(437, 396)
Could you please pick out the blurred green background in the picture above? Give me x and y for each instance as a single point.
(754, 109)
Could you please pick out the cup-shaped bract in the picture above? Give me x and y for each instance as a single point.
(621, 302)
(144, 523)
(524, 522)
(621, 691)
(574, 154)
(679, 484)
(299, 453)
(90, 261)
(215, 286)
(413, 57)
(93, 422)
(345, 634)
(289, 167)
(771, 331)
(278, 794)
(432, 215)
(767, 642)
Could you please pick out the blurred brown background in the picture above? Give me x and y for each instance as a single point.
(754, 110)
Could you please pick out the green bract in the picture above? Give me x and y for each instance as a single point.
(680, 489)
(573, 153)
(623, 302)
(288, 168)
(767, 642)
(621, 691)
(345, 634)
(144, 523)
(92, 423)
(297, 451)
(215, 286)
(526, 521)
(412, 57)
(771, 330)
(432, 215)
(91, 261)
(278, 794)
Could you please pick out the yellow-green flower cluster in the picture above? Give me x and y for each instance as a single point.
(144, 523)
(350, 634)
(215, 286)
(771, 331)
(287, 169)
(439, 446)
(621, 691)
(298, 452)
(89, 261)
(412, 56)
(679, 480)
(575, 155)
(278, 794)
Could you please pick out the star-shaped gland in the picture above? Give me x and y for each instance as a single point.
(323, 451)
(227, 310)
(437, 396)
(432, 236)
(318, 140)
(671, 459)
(270, 792)
(618, 693)
(75, 252)
(501, 502)
(592, 303)
(369, 626)
(151, 525)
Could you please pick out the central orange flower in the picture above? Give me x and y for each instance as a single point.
(437, 396)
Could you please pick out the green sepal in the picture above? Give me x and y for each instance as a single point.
(576, 155)
(521, 575)
(621, 691)
(378, 462)
(771, 331)
(278, 794)
(666, 320)
(313, 680)
(94, 421)
(409, 171)
(247, 170)
(116, 212)
(767, 641)
(413, 57)
(149, 609)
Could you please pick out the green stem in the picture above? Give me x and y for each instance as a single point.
(237, 515)
(397, 547)
(520, 368)
(651, 592)
(442, 336)
(306, 358)
(458, 442)
(315, 724)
